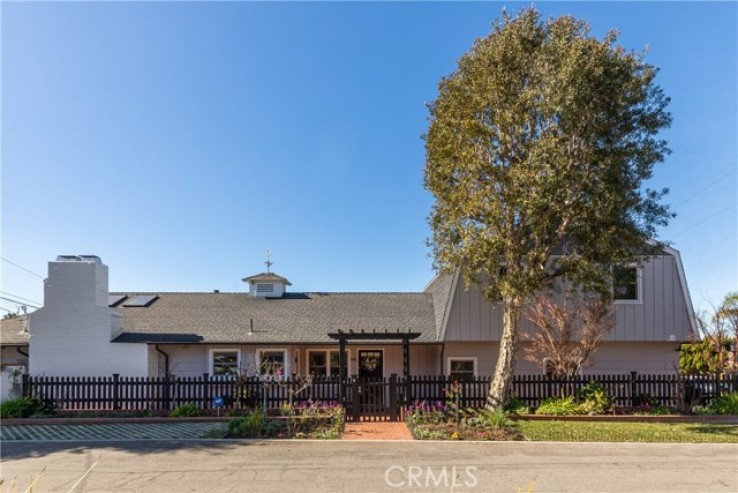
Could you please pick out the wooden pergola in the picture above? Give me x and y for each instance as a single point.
(343, 337)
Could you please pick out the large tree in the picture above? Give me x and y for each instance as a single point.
(538, 147)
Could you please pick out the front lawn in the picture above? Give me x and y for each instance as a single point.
(582, 431)
(443, 421)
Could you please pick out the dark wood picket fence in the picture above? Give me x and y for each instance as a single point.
(152, 394)
(379, 399)
(627, 390)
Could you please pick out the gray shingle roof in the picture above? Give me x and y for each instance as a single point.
(11, 332)
(295, 318)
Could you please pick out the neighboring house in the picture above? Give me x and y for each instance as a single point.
(13, 354)
(83, 330)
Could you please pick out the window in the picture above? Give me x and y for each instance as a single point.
(317, 364)
(462, 368)
(626, 283)
(224, 362)
(323, 363)
(272, 363)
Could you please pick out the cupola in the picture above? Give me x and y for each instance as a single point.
(267, 285)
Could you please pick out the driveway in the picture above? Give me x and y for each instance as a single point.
(360, 466)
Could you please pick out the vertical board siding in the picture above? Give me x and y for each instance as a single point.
(661, 313)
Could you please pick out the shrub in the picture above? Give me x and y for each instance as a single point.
(188, 410)
(517, 406)
(725, 404)
(593, 399)
(24, 407)
(247, 426)
(558, 406)
(498, 419)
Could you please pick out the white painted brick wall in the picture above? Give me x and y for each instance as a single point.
(71, 334)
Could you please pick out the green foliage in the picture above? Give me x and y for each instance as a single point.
(440, 421)
(517, 406)
(188, 410)
(24, 407)
(285, 408)
(725, 404)
(543, 133)
(498, 419)
(306, 420)
(704, 356)
(558, 406)
(593, 399)
(248, 426)
(543, 138)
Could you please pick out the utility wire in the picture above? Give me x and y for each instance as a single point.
(22, 268)
(19, 297)
(19, 303)
(718, 180)
(703, 221)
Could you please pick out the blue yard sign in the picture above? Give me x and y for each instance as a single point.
(218, 402)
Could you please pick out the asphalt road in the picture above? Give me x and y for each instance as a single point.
(342, 466)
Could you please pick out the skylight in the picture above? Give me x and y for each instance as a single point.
(141, 300)
(114, 299)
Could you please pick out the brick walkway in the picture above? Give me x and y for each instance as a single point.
(159, 431)
(367, 430)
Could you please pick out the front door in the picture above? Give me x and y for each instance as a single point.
(371, 373)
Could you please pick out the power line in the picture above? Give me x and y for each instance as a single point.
(17, 302)
(718, 180)
(703, 221)
(19, 297)
(22, 268)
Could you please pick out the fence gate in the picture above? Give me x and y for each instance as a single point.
(375, 399)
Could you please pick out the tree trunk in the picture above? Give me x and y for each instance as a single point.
(499, 389)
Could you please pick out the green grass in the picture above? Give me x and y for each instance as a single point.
(578, 431)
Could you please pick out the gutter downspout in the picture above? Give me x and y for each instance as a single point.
(166, 360)
(166, 376)
(18, 348)
(443, 347)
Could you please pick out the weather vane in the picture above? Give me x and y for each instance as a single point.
(269, 262)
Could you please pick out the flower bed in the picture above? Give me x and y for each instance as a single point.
(441, 421)
(305, 420)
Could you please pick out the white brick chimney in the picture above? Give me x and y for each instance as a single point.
(71, 334)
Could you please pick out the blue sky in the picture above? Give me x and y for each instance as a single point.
(180, 141)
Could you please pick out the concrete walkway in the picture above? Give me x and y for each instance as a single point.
(159, 431)
(367, 430)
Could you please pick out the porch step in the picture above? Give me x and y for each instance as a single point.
(376, 430)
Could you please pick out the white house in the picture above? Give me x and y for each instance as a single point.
(84, 330)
